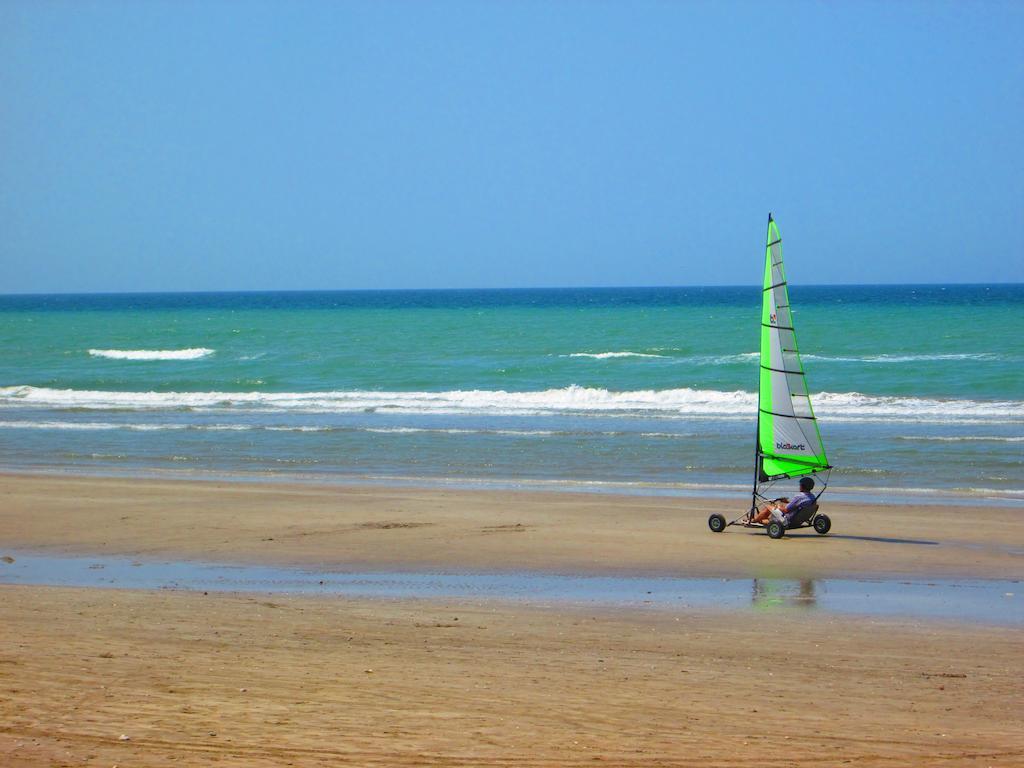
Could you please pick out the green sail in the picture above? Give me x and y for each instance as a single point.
(789, 443)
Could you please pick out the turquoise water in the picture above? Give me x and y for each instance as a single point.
(919, 389)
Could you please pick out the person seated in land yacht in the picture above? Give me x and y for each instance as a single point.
(788, 507)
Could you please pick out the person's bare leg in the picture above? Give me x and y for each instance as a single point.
(763, 515)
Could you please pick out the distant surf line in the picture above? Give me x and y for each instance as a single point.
(90, 426)
(611, 355)
(192, 353)
(198, 353)
(747, 357)
(94, 426)
(666, 403)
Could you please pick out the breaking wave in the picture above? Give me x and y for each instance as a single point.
(747, 357)
(102, 426)
(608, 355)
(961, 439)
(87, 426)
(924, 358)
(667, 403)
(193, 353)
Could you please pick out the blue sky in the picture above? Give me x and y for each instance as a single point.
(249, 145)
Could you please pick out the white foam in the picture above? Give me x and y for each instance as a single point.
(1016, 493)
(746, 357)
(928, 358)
(854, 406)
(106, 426)
(904, 358)
(455, 431)
(609, 355)
(697, 403)
(103, 426)
(400, 430)
(961, 439)
(303, 428)
(571, 399)
(87, 426)
(193, 353)
(742, 357)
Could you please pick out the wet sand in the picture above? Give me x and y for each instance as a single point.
(968, 601)
(267, 680)
(367, 528)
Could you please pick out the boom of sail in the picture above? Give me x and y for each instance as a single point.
(788, 440)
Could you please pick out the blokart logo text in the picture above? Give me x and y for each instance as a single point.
(789, 447)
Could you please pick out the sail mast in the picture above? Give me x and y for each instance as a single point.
(757, 427)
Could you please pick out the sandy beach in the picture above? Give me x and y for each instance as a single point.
(250, 680)
(258, 681)
(369, 373)
(373, 527)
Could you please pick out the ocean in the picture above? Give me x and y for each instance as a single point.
(919, 390)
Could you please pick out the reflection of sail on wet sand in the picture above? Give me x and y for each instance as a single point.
(768, 593)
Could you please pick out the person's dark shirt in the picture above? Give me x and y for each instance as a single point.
(801, 500)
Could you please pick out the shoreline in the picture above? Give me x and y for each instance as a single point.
(379, 528)
(936, 497)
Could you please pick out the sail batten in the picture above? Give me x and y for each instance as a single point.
(789, 442)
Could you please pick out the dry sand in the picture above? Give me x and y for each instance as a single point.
(247, 680)
(267, 681)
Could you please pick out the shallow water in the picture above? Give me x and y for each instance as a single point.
(971, 600)
(918, 388)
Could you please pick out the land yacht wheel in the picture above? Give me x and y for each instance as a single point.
(822, 524)
(776, 530)
(716, 523)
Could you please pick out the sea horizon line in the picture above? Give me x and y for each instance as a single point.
(508, 289)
